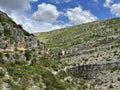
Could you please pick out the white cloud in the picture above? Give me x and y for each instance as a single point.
(34, 26)
(46, 13)
(67, 1)
(15, 9)
(107, 3)
(13, 5)
(96, 1)
(115, 9)
(33, 0)
(78, 16)
(61, 1)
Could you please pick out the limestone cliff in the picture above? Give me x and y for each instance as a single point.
(15, 42)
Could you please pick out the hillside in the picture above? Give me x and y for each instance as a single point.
(83, 57)
(95, 43)
(25, 63)
(16, 44)
(84, 40)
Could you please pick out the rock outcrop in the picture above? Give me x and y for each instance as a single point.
(89, 71)
(16, 44)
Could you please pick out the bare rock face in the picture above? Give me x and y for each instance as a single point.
(1, 27)
(1, 30)
(3, 45)
(18, 43)
(6, 86)
(14, 36)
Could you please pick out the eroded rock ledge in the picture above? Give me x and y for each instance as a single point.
(90, 70)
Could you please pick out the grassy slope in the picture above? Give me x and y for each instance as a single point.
(39, 74)
(65, 38)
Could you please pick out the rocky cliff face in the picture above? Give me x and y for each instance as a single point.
(13, 36)
(16, 43)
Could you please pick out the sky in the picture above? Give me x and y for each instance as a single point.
(47, 15)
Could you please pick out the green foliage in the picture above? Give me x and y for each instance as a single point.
(36, 78)
(86, 38)
(1, 73)
(108, 59)
(67, 37)
(28, 54)
(7, 55)
(20, 62)
(1, 54)
(16, 56)
(118, 79)
(113, 69)
(13, 85)
(38, 72)
(7, 32)
(0, 33)
(115, 46)
(2, 19)
(111, 86)
(1, 60)
(118, 41)
(61, 74)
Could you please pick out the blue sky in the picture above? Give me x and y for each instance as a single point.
(46, 15)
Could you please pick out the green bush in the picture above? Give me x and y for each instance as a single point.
(1, 73)
(36, 78)
(20, 62)
(86, 38)
(16, 56)
(1, 54)
(1, 60)
(13, 85)
(118, 79)
(47, 82)
(111, 86)
(7, 55)
(28, 54)
(61, 74)
(0, 33)
(7, 32)
(113, 69)
(2, 19)
(62, 86)
(108, 59)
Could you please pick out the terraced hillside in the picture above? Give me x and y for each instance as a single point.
(92, 43)
(95, 42)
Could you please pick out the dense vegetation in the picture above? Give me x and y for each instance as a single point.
(40, 73)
